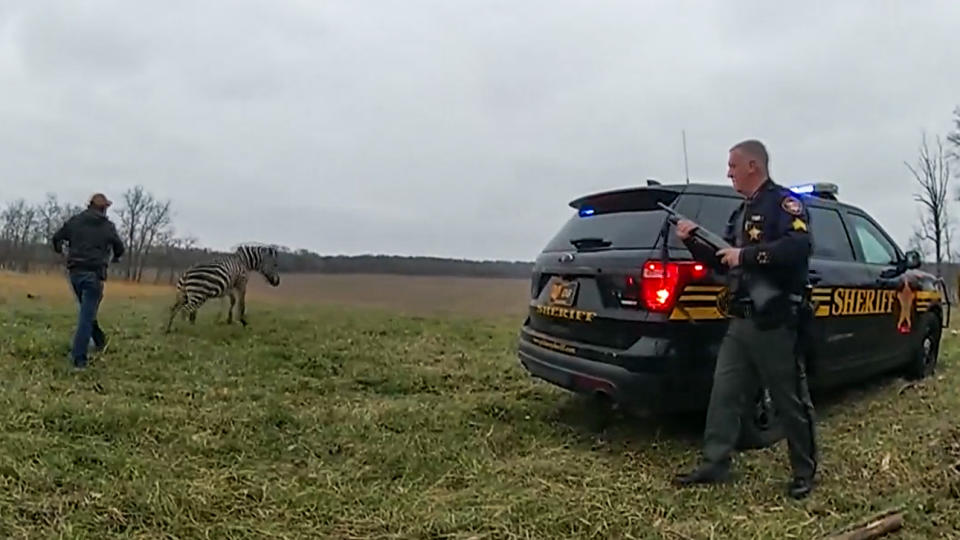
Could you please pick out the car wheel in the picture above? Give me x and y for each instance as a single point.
(925, 350)
(759, 425)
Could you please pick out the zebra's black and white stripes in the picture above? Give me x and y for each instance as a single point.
(224, 276)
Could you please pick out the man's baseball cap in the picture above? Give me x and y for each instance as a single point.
(101, 200)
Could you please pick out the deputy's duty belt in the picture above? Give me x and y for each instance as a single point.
(744, 309)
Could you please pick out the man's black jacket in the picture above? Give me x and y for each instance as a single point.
(90, 234)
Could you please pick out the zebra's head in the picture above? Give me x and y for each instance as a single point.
(263, 259)
(270, 265)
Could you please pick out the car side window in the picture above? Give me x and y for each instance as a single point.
(876, 248)
(830, 240)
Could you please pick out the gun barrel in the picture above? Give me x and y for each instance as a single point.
(672, 214)
(711, 238)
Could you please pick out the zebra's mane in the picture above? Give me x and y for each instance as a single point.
(263, 250)
(271, 248)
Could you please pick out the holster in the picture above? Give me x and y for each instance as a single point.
(806, 339)
(776, 313)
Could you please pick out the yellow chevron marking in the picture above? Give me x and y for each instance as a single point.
(703, 288)
(698, 298)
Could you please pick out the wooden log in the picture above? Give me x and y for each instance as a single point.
(875, 528)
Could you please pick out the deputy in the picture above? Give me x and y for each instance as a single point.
(769, 232)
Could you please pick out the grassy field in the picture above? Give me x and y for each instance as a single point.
(316, 422)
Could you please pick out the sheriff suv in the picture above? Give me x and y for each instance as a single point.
(619, 310)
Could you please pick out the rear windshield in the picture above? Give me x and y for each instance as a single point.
(636, 224)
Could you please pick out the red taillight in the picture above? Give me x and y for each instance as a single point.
(660, 286)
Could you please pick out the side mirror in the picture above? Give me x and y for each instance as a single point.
(913, 259)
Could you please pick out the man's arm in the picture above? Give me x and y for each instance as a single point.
(704, 253)
(115, 243)
(62, 235)
(792, 245)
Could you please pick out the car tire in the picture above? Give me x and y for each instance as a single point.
(925, 350)
(759, 425)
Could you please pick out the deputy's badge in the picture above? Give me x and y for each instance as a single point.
(792, 205)
(799, 225)
(754, 232)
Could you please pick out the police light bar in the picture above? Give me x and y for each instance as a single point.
(819, 189)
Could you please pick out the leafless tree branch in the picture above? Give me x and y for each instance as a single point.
(932, 174)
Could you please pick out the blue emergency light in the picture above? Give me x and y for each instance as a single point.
(824, 190)
(586, 211)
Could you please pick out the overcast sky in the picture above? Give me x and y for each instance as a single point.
(373, 127)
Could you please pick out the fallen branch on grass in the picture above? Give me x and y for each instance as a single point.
(905, 387)
(875, 527)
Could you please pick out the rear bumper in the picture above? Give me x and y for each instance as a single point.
(661, 382)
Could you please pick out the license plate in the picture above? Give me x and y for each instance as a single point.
(563, 293)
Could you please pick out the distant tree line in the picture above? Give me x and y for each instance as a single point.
(303, 261)
(157, 253)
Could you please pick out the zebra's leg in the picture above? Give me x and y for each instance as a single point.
(192, 306)
(173, 312)
(233, 302)
(223, 317)
(242, 304)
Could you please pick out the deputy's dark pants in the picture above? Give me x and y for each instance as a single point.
(747, 355)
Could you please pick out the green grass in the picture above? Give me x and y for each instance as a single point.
(313, 423)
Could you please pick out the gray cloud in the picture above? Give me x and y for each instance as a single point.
(358, 127)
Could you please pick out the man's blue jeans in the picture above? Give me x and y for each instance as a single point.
(88, 288)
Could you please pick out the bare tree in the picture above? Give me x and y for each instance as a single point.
(19, 231)
(135, 202)
(948, 250)
(142, 220)
(954, 136)
(918, 243)
(175, 255)
(932, 173)
(156, 221)
(50, 215)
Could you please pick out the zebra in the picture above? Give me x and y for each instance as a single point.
(221, 277)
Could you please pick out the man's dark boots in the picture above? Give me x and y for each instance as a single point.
(704, 474)
(800, 487)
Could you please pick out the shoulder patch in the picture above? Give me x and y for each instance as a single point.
(792, 205)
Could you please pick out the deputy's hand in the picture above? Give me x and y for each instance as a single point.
(730, 256)
(684, 228)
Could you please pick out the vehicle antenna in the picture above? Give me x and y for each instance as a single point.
(685, 166)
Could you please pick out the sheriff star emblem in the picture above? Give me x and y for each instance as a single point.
(754, 233)
(905, 295)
